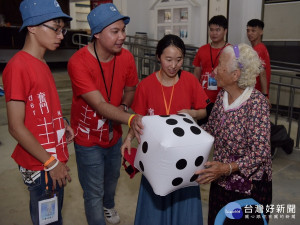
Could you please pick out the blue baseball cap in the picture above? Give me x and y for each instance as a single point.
(104, 15)
(35, 12)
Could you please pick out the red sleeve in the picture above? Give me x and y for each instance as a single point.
(79, 73)
(196, 61)
(139, 104)
(132, 78)
(201, 99)
(16, 81)
(261, 53)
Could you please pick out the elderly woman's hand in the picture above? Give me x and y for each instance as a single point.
(213, 170)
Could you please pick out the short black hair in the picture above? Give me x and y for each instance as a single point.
(168, 40)
(256, 23)
(219, 20)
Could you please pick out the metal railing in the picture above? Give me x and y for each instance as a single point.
(287, 92)
(143, 50)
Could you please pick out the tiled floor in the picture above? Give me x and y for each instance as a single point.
(14, 196)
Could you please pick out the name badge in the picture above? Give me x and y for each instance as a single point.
(212, 83)
(48, 211)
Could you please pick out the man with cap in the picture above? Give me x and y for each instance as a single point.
(34, 112)
(104, 79)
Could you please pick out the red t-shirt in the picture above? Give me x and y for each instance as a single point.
(89, 127)
(264, 56)
(208, 59)
(188, 94)
(28, 79)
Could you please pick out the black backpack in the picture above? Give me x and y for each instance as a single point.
(280, 138)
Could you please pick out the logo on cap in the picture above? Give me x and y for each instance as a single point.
(56, 3)
(113, 8)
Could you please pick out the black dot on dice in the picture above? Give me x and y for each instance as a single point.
(141, 165)
(164, 115)
(145, 147)
(177, 181)
(195, 130)
(188, 120)
(199, 161)
(181, 115)
(178, 131)
(194, 177)
(171, 121)
(181, 164)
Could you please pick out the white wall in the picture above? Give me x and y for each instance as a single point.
(240, 12)
(285, 26)
(200, 24)
(141, 18)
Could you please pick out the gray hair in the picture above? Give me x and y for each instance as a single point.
(248, 62)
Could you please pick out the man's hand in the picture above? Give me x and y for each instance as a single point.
(60, 174)
(137, 126)
(69, 133)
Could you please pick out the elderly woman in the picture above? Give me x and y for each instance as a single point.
(241, 166)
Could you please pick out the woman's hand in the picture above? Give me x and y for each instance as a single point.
(188, 111)
(213, 171)
(127, 143)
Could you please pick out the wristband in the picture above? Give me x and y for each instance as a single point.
(52, 167)
(130, 119)
(125, 107)
(49, 161)
(230, 169)
(266, 95)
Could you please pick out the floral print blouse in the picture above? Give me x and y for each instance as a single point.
(242, 135)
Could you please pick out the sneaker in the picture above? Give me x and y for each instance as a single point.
(111, 215)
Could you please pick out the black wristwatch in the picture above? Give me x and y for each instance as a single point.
(125, 107)
(266, 95)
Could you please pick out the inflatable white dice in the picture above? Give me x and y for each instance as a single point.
(172, 149)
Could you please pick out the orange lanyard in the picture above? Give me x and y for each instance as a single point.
(167, 107)
(46, 180)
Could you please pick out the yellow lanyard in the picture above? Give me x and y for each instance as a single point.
(167, 107)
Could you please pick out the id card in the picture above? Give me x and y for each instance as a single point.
(208, 81)
(48, 211)
(212, 83)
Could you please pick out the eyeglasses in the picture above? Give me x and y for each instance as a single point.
(58, 31)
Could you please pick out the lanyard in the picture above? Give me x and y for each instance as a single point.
(102, 72)
(211, 59)
(167, 107)
(46, 180)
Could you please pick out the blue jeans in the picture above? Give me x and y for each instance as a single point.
(37, 192)
(98, 172)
